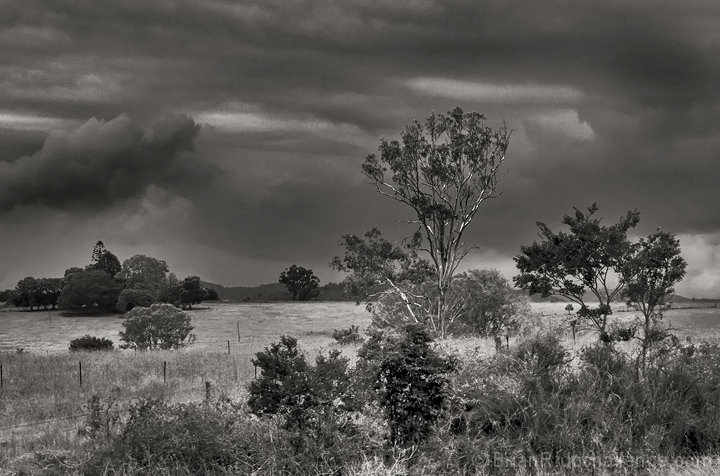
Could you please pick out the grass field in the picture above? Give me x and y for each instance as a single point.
(48, 332)
(42, 384)
(215, 324)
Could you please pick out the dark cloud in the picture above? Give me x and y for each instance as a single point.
(102, 163)
(614, 102)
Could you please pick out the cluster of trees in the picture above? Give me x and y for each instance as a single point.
(34, 293)
(106, 284)
(442, 171)
(600, 262)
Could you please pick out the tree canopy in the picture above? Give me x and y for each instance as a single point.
(104, 260)
(651, 272)
(144, 272)
(589, 259)
(300, 282)
(443, 170)
(91, 289)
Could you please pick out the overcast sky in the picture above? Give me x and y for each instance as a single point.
(227, 137)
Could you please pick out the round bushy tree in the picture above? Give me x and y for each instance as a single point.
(160, 326)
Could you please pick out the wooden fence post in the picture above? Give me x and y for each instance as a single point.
(207, 391)
(80, 372)
(164, 371)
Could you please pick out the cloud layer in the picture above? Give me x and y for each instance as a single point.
(612, 102)
(102, 163)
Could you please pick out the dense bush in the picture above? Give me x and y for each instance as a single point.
(487, 304)
(406, 407)
(88, 342)
(290, 387)
(315, 404)
(349, 335)
(410, 380)
(534, 405)
(160, 326)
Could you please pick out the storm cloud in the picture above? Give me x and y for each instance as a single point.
(611, 102)
(101, 163)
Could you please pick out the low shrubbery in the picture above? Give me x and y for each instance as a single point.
(88, 342)
(349, 335)
(193, 438)
(535, 409)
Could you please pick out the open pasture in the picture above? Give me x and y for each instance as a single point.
(46, 332)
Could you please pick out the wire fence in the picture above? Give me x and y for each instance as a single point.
(43, 422)
(122, 406)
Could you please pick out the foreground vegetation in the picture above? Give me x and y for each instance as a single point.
(542, 407)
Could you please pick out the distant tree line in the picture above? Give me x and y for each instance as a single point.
(107, 285)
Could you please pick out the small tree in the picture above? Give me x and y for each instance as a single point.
(410, 381)
(191, 292)
(391, 275)
(588, 259)
(309, 397)
(160, 326)
(26, 292)
(651, 274)
(443, 170)
(300, 282)
(49, 290)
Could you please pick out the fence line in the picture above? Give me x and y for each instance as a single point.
(208, 393)
(43, 422)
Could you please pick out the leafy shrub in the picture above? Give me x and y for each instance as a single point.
(410, 380)
(283, 386)
(88, 342)
(314, 401)
(290, 387)
(487, 304)
(542, 355)
(350, 335)
(160, 326)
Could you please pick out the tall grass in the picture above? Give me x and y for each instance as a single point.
(547, 405)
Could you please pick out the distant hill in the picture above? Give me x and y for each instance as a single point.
(273, 292)
(677, 299)
(336, 292)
